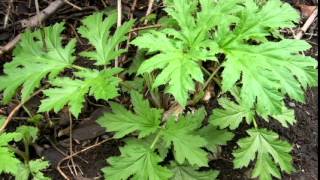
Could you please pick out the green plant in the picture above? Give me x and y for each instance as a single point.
(140, 158)
(260, 67)
(255, 67)
(12, 164)
(33, 63)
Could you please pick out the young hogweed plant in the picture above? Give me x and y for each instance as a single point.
(140, 157)
(257, 68)
(260, 68)
(32, 63)
(10, 163)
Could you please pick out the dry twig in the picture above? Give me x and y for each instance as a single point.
(16, 109)
(33, 22)
(149, 10)
(6, 18)
(70, 145)
(307, 24)
(119, 7)
(74, 154)
(73, 5)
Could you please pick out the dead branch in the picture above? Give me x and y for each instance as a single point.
(150, 5)
(16, 109)
(307, 24)
(33, 22)
(6, 18)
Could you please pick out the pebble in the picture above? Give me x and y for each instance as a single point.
(291, 104)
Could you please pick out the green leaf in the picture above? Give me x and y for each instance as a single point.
(136, 62)
(36, 166)
(24, 172)
(212, 11)
(100, 84)
(29, 133)
(179, 52)
(215, 137)
(103, 84)
(286, 118)
(187, 144)
(231, 115)
(32, 62)
(70, 92)
(145, 120)
(96, 29)
(258, 22)
(266, 144)
(269, 72)
(11, 164)
(5, 138)
(138, 161)
(137, 84)
(183, 172)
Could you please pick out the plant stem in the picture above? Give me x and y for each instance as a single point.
(255, 124)
(18, 152)
(154, 93)
(78, 67)
(156, 139)
(211, 77)
(205, 70)
(27, 111)
(26, 149)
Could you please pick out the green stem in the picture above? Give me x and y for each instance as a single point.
(217, 81)
(19, 153)
(27, 111)
(156, 139)
(153, 92)
(205, 70)
(255, 124)
(155, 99)
(27, 152)
(78, 67)
(211, 77)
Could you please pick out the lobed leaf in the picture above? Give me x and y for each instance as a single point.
(145, 120)
(266, 144)
(138, 161)
(184, 172)
(187, 144)
(96, 29)
(215, 137)
(32, 62)
(100, 84)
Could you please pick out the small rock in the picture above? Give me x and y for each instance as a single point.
(291, 104)
(87, 131)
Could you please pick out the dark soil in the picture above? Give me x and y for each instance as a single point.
(303, 135)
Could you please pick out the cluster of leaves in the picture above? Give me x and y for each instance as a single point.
(39, 59)
(12, 164)
(33, 63)
(258, 69)
(140, 158)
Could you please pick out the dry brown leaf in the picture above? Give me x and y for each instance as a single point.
(306, 10)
